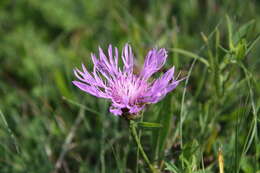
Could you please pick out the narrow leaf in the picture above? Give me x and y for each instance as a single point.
(243, 31)
(149, 125)
(192, 55)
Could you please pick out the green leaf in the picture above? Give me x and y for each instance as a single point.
(149, 125)
(171, 167)
(160, 136)
(230, 36)
(252, 44)
(243, 31)
(241, 49)
(61, 84)
(192, 55)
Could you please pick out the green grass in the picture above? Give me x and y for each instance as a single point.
(48, 125)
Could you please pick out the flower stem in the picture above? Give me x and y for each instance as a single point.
(132, 127)
(137, 153)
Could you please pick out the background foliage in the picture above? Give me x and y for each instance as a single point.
(48, 125)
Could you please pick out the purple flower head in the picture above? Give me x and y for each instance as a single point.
(129, 92)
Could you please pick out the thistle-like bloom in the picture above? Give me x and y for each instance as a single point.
(129, 92)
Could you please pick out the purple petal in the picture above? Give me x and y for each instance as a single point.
(136, 109)
(113, 59)
(128, 59)
(94, 59)
(172, 86)
(90, 89)
(168, 75)
(115, 111)
(87, 78)
(160, 87)
(103, 58)
(78, 74)
(161, 83)
(116, 57)
(154, 61)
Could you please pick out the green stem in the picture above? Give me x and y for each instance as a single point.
(132, 127)
(137, 153)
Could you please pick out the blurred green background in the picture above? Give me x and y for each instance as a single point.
(48, 125)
